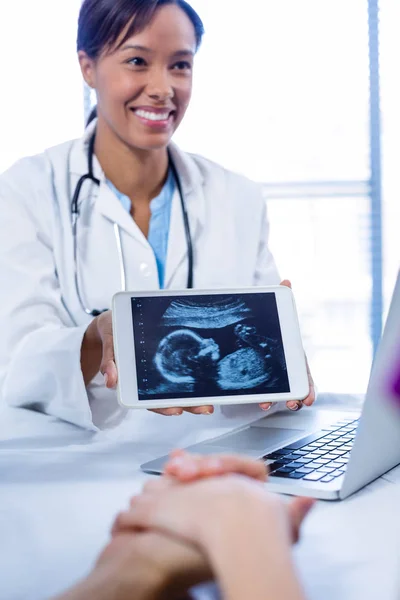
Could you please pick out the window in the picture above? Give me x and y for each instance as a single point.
(283, 86)
(284, 89)
(390, 91)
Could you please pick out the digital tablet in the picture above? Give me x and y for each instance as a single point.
(198, 347)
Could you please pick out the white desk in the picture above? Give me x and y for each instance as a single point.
(60, 488)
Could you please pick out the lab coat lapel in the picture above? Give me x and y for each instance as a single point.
(111, 208)
(193, 194)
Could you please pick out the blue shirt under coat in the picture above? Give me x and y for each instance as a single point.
(160, 208)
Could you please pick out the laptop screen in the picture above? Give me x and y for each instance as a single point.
(208, 346)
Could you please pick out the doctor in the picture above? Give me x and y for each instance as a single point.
(121, 208)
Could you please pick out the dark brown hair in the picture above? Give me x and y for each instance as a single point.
(101, 22)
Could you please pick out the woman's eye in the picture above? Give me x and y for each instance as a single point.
(137, 61)
(182, 65)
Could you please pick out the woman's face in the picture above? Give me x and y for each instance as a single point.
(144, 88)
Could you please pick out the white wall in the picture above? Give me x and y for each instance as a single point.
(41, 88)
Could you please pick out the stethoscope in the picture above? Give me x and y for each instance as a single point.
(75, 211)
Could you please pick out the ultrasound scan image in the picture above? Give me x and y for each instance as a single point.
(208, 346)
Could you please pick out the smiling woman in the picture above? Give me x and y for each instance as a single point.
(139, 59)
(121, 207)
(118, 61)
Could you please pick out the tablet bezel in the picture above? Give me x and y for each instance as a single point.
(124, 349)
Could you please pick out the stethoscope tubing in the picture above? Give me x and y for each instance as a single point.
(75, 212)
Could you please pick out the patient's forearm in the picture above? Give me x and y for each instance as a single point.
(92, 587)
(106, 584)
(255, 564)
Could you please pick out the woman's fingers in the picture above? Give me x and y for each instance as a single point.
(157, 485)
(150, 488)
(311, 396)
(286, 283)
(297, 405)
(294, 405)
(110, 373)
(298, 509)
(168, 412)
(186, 467)
(107, 367)
(195, 410)
(123, 522)
(309, 401)
(200, 410)
(240, 465)
(138, 517)
(267, 405)
(177, 452)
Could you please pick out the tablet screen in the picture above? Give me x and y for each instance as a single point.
(208, 346)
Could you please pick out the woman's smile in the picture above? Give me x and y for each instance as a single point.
(155, 118)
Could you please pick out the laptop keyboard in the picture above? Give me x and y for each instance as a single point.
(321, 457)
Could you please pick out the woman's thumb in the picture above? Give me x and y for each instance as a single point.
(298, 510)
(108, 367)
(286, 283)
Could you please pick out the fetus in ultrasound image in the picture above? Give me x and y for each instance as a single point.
(206, 346)
(183, 356)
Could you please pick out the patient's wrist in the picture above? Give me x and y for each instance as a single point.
(121, 577)
(250, 553)
(244, 518)
(140, 581)
(255, 563)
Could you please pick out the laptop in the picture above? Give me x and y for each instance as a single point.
(325, 454)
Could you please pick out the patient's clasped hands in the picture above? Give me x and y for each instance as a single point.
(206, 518)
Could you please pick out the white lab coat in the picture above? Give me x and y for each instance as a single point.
(41, 321)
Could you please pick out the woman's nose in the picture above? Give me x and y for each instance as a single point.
(159, 87)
